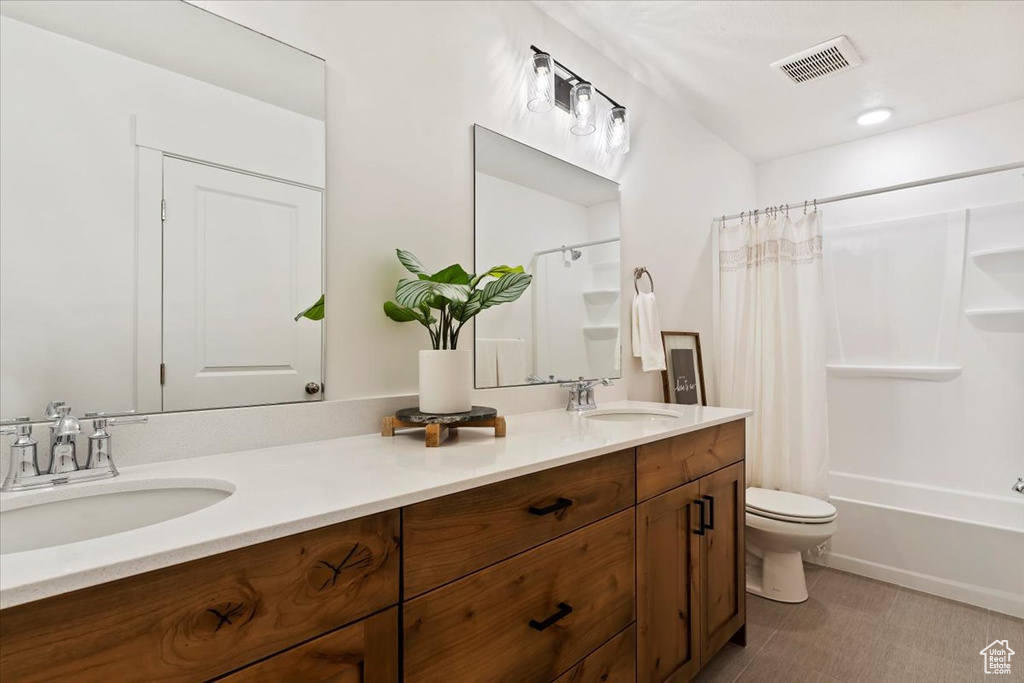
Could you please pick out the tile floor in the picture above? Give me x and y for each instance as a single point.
(857, 630)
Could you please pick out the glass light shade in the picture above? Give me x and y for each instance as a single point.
(617, 131)
(581, 106)
(541, 83)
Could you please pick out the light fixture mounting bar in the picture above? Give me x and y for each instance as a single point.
(575, 75)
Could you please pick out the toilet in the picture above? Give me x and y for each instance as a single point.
(780, 526)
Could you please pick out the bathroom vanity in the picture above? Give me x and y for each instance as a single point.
(574, 550)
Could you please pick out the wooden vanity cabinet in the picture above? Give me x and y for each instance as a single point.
(691, 573)
(624, 568)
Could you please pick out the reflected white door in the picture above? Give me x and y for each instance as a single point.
(242, 256)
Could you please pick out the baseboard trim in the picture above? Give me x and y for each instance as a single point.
(997, 601)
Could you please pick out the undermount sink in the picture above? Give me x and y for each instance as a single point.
(60, 516)
(631, 415)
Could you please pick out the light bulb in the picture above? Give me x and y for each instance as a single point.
(617, 133)
(541, 80)
(582, 109)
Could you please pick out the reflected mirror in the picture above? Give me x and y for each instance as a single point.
(561, 223)
(161, 194)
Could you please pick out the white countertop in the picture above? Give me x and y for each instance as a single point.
(290, 489)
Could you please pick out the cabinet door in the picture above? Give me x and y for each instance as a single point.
(723, 557)
(668, 586)
(365, 652)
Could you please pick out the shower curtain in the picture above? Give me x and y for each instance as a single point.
(772, 348)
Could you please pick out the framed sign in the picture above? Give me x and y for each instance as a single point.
(683, 381)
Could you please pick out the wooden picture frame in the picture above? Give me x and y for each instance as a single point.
(687, 386)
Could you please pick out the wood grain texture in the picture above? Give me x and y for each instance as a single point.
(363, 652)
(478, 628)
(723, 561)
(663, 465)
(201, 619)
(448, 538)
(668, 587)
(613, 662)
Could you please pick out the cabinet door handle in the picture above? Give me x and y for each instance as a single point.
(559, 504)
(700, 518)
(564, 610)
(711, 512)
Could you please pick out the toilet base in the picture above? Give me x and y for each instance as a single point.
(777, 576)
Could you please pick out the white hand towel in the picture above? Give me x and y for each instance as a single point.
(511, 361)
(647, 333)
(486, 363)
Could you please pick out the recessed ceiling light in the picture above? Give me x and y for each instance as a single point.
(873, 116)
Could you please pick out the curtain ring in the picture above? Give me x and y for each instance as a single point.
(815, 204)
(743, 217)
(805, 207)
(756, 217)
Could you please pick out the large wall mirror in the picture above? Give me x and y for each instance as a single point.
(161, 210)
(561, 223)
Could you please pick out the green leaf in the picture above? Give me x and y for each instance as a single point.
(400, 314)
(416, 293)
(504, 290)
(453, 274)
(411, 263)
(464, 311)
(497, 271)
(314, 312)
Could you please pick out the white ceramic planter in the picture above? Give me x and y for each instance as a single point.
(446, 381)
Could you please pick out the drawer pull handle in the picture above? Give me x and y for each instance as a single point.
(711, 512)
(564, 610)
(700, 518)
(559, 504)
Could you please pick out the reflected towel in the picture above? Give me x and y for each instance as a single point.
(486, 363)
(511, 361)
(647, 344)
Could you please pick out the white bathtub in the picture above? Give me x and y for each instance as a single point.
(956, 544)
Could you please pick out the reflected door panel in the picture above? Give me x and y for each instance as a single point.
(241, 258)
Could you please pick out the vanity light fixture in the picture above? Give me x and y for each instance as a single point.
(617, 133)
(541, 81)
(873, 116)
(550, 84)
(581, 107)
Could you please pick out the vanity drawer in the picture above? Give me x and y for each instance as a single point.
(511, 622)
(664, 465)
(448, 538)
(364, 652)
(613, 662)
(204, 618)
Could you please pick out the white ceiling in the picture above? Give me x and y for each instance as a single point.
(926, 59)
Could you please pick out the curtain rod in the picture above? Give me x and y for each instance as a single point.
(890, 188)
(576, 246)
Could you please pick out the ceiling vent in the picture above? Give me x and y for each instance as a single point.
(830, 57)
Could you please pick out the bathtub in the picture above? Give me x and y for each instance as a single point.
(956, 544)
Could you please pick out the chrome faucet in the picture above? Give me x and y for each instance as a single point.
(581, 393)
(25, 473)
(1019, 486)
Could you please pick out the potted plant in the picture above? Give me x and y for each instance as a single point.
(443, 302)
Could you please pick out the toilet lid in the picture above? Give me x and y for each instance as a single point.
(789, 507)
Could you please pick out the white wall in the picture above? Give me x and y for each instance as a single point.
(898, 443)
(405, 83)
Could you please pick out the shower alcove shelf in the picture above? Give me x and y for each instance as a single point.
(1000, 256)
(926, 373)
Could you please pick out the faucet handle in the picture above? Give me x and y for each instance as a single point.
(101, 420)
(16, 425)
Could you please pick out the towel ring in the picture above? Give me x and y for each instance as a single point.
(639, 273)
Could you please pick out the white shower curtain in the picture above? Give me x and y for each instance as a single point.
(772, 348)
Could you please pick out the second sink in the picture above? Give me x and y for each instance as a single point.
(631, 415)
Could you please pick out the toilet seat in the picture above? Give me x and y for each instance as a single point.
(788, 507)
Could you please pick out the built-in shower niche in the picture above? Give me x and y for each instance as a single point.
(893, 290)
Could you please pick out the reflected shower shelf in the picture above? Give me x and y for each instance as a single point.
(600, 294)
(927, 373)
(1009, 312)
(998, 255)
(1002, 319)
(600, 330)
